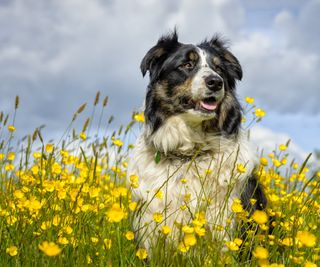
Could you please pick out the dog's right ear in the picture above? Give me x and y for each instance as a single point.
(157, 53)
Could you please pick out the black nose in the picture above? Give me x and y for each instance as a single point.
(214, 83)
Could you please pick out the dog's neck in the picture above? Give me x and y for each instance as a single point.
(182, 138)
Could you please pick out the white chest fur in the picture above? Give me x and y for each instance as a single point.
(206, 182)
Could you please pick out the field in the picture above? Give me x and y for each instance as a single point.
(67, 203)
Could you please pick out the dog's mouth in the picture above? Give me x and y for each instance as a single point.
(207, 105)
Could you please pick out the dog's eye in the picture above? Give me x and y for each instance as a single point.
(218, 69)
(188, 65)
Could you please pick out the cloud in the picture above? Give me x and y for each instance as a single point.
(283, 78)
(301, 29)
(56, 56)
(282, 63)
(267, 140)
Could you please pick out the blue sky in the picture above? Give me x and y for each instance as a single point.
(56, 54)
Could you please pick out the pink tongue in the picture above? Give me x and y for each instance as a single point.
(208, 106)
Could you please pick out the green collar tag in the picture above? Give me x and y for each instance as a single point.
(157, 157)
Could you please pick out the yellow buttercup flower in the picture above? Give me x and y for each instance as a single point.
(107, 243)
(139, 117)
(236, 206)
(157, 217)
(67, 229)
(56, 168)
(117, 142)
(12, 251)
(183, 207)
(264, 161)
(129, 235)
(45, 225)
(187, 229)
(276, 162)
(238, 241)
(282, 147)
(287, 241)
(63, 240)
(296, 166)
(50, 248)
(142, 253)
(183, 180)
(200, 231)
(190, 240)
(159, 195)
(83, 136)
(11, 128)
(9, 167)
(260, 217)
(49, 148)
(253, 201)
(18, 194)
(259, 113)
(310, 264)
(183, 247)
(249, 100)
(37, 155)
(133, 206)
(116, 213)
(231, 245)
(134, 178)
(261, 253)
(166, 230)
(94, 239)
(56, 220)
(241, 168)
(284, 161)
(306, 238)
(200, 219)
(11, 156)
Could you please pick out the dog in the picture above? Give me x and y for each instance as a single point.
(185, 158)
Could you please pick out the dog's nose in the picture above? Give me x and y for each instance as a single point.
(214, 83)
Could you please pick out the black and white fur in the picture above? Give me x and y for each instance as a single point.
(193, 124)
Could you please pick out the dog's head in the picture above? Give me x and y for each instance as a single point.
(195, 80)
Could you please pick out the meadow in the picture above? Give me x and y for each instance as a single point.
(68, 203)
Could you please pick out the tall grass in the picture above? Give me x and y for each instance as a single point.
(67, 203)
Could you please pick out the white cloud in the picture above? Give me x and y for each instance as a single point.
(301, 30)
(282, 62)
(56, 54)
(267, 140)
(285, 79)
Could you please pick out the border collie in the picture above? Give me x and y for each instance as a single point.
(187, 154)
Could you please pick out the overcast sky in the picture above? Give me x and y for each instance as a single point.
(56, 54)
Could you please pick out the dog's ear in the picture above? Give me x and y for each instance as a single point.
(157, 54)
(232, 63)
(235, 67)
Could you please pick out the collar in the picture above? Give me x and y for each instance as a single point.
(176, 156)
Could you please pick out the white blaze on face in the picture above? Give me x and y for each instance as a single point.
(198, 86)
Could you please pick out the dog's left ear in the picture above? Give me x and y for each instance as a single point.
(157, 54)
(232, 63)
(235, 67)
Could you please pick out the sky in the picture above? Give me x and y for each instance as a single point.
(56, 54)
